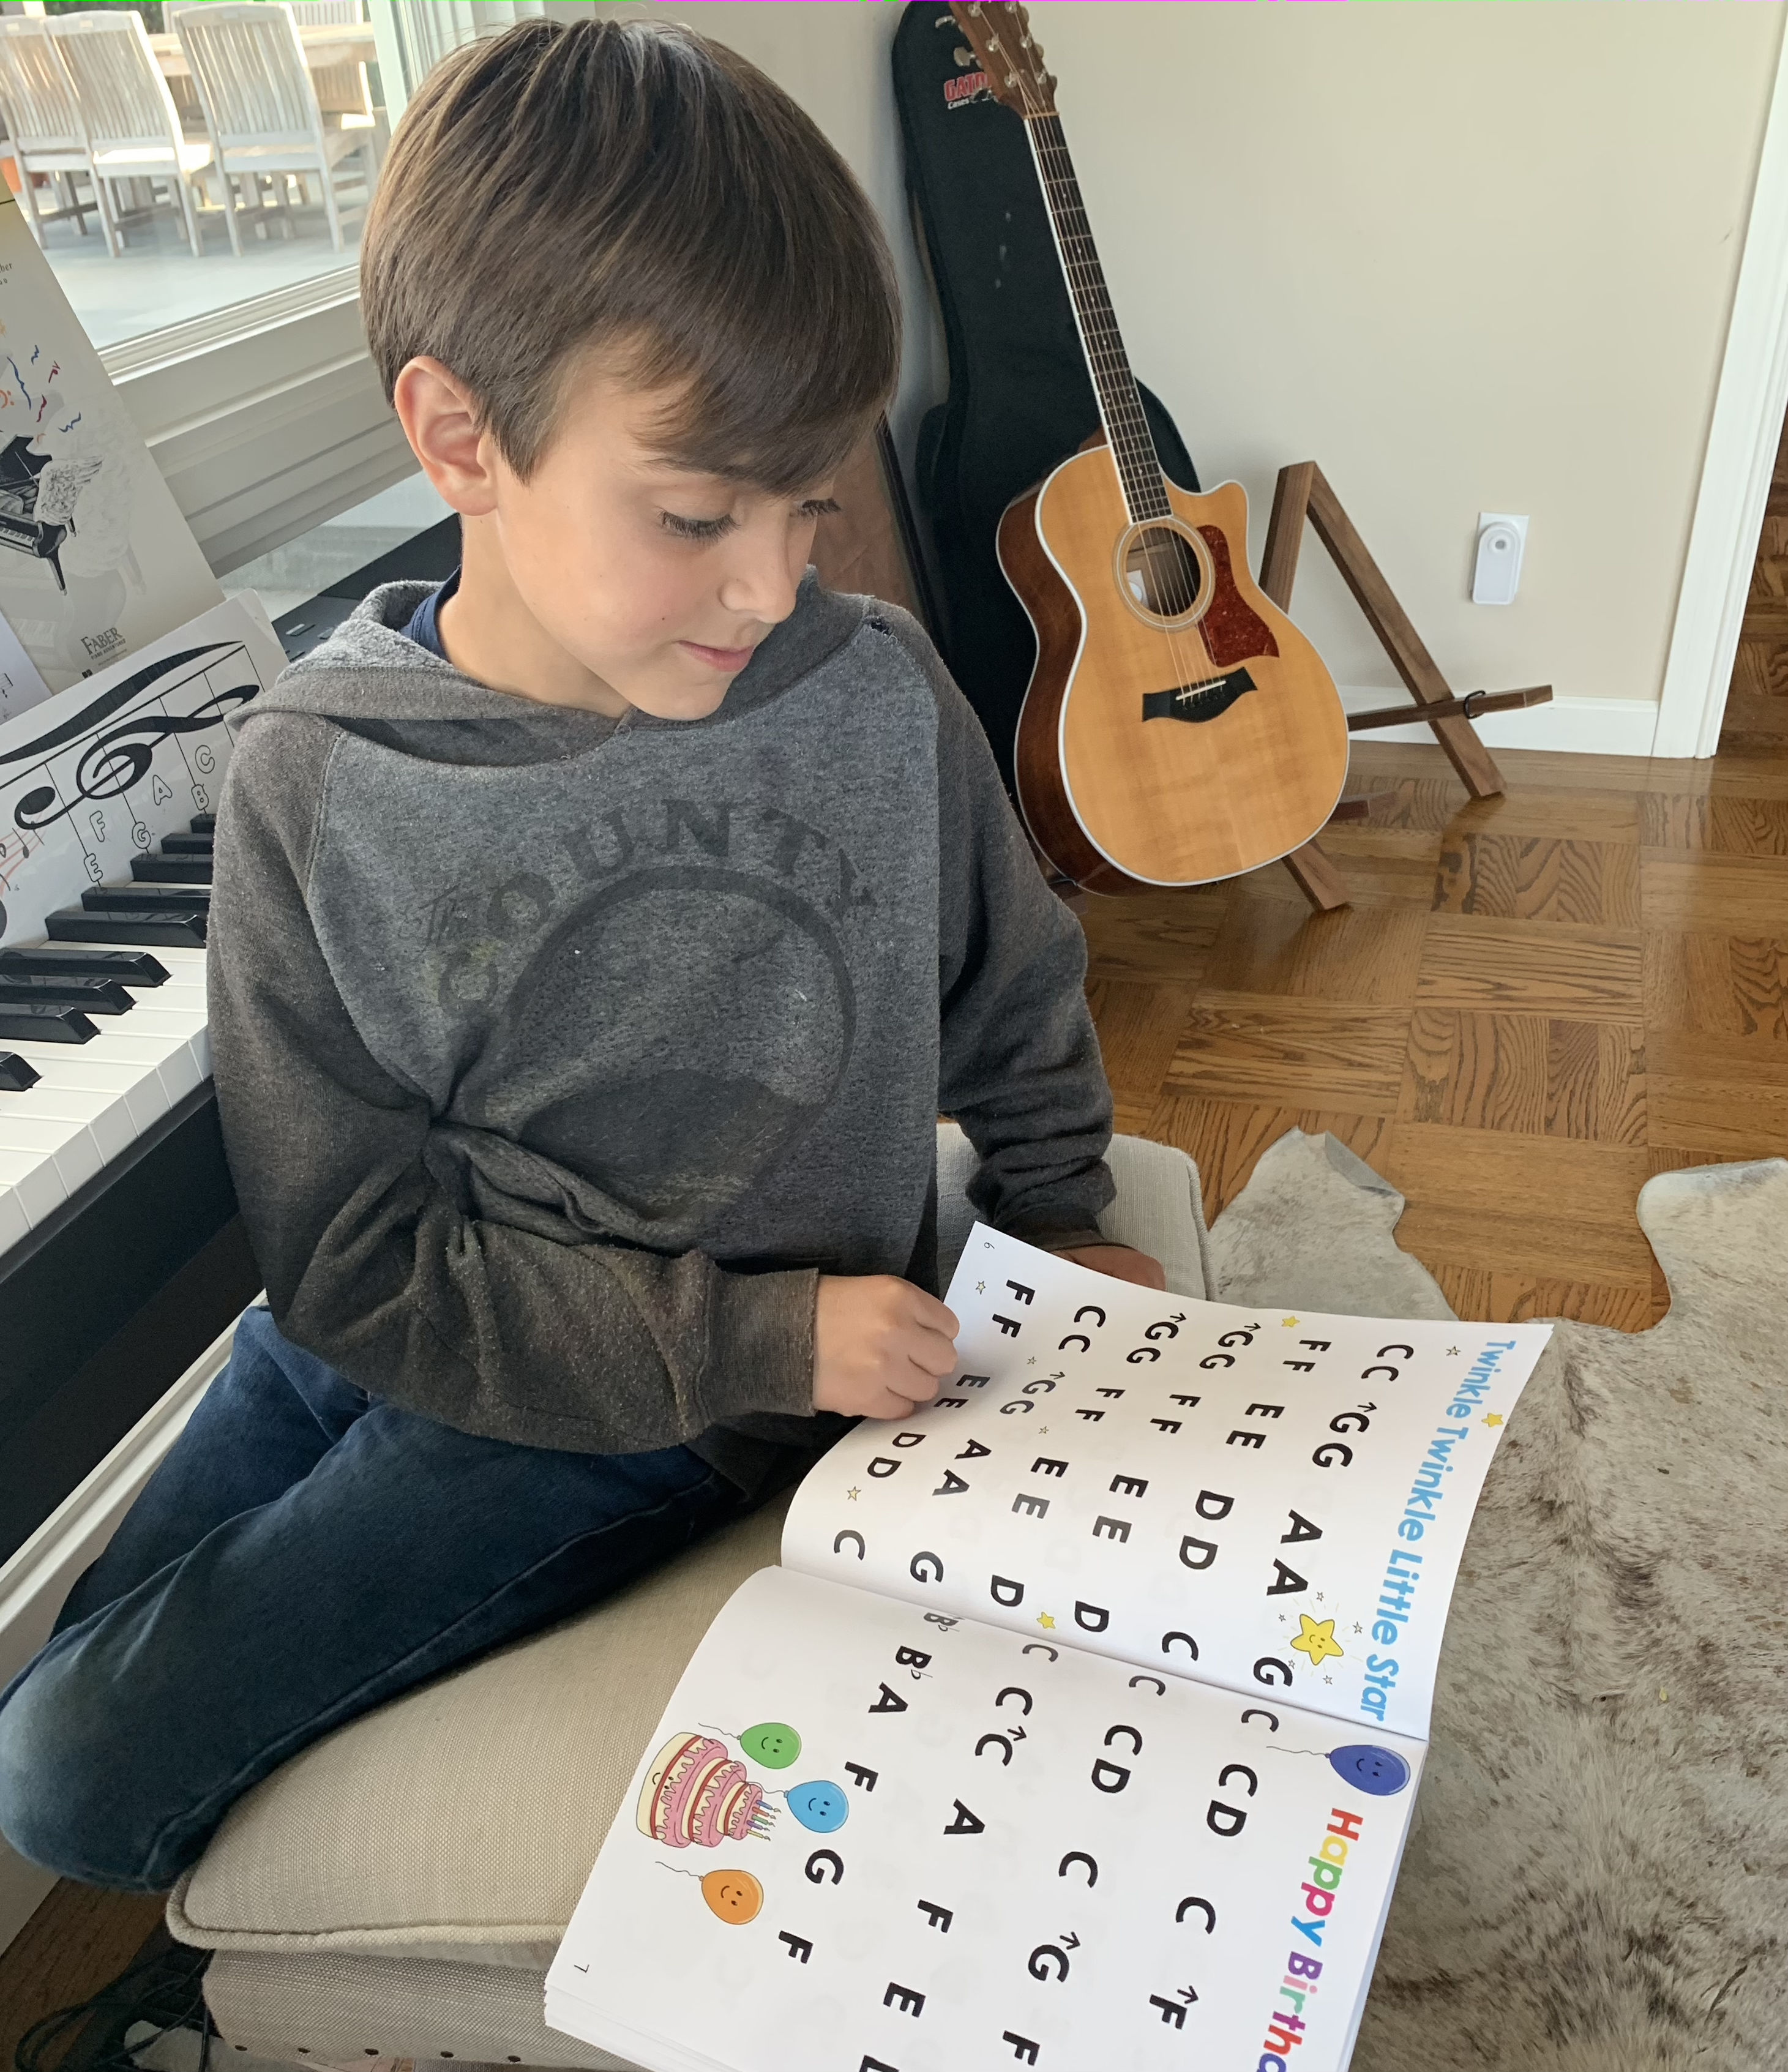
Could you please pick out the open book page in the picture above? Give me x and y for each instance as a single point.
(1269, 1502)
(869, 1837)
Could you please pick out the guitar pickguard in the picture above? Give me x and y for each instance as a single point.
(1232, 629)
(1198, 702)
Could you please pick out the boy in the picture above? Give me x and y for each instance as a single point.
(595, 941)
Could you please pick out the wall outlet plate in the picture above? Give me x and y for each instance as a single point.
(1496, 565)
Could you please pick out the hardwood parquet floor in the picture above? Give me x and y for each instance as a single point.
(1533, 1004)
(78, 1939)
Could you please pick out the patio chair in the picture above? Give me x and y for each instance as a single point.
(261, 106)
(343, 92)
(132, 127)
(44, 126)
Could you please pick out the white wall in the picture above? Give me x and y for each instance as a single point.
(1469, 257)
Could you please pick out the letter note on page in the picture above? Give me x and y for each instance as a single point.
(1101, 1492)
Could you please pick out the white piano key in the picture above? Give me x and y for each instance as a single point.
(93, 1100)
(70, 1144)
(72, 1066)
(178, 1023)
(33, 1181)
(135, 1075)
(180, 1073)
(106, 1115)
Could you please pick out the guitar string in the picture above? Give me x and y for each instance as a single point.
(1126, 424)
(1128, 432)
(1166, 590)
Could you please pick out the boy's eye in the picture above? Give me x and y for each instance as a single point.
(820, 506)
(696, 529)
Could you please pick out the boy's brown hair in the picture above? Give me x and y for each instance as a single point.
(634, 190)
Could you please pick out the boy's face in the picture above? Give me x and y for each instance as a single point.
(653, 583)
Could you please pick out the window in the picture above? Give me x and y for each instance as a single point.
(180, 160)
(246, 372)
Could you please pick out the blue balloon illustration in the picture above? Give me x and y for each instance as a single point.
(821, 1806)
(1381, 1771)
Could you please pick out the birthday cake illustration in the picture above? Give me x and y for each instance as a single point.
(696, 1792)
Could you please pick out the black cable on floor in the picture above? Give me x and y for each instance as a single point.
(164, 1987)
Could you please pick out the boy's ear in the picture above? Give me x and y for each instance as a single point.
(441, 421)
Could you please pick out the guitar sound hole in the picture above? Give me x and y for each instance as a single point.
(1162, 573)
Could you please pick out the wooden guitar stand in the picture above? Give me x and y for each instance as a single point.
(1303, 491)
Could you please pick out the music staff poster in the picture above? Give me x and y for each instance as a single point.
(96, 774)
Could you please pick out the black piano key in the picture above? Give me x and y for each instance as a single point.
(97, 996)
(165, 870)
(70, 960)
(203, 824)
(158, 923)
(106, 898)
(15, 1074)
(47, 1022)
(188, 844)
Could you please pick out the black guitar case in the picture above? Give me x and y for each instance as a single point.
(1021, 399)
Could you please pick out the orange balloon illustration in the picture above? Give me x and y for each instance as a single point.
(735, 1896)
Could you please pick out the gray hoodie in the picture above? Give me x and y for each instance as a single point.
(558, 1055)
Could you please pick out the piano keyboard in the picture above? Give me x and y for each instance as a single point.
(102, 1030)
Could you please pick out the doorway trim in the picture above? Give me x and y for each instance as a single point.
(1749, 407)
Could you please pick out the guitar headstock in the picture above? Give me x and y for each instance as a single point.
(998, 32)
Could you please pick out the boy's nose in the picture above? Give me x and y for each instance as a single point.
(760, 584)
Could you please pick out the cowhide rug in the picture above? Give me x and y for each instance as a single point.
(1597, 1880)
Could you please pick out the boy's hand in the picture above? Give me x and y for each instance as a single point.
(1120, 1262)
(880, 1344)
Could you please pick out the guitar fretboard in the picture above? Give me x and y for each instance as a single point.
(1120, 405)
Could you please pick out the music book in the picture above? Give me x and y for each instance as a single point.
(1083, 1723)
(96, 559)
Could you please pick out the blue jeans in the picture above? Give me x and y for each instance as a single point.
(304, 1553)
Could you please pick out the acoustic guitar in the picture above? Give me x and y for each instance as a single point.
(1178, 727)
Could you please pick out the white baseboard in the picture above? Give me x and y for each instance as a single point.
(1575, 727)
(37, 1579)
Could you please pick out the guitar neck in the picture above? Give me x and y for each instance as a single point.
(1120, 405)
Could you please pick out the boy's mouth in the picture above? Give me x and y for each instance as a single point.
(728, 660)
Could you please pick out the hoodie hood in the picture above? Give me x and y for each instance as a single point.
(370, 675)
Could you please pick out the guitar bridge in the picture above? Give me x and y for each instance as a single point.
(1198, 702)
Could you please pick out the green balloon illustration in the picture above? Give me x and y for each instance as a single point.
(773, 1744)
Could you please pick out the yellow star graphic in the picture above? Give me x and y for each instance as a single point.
(1494, 1417)
(851, 1495)
(1290, 1323)
(1317, 1641)
(1045, 1621)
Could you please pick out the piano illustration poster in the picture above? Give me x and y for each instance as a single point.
(96, 775)
(95, 557)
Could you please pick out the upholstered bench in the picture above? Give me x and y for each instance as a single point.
(398, 1889)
